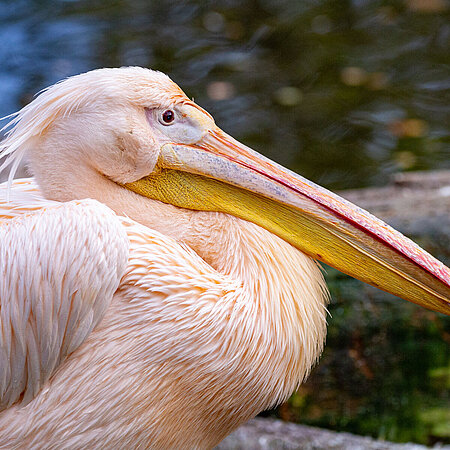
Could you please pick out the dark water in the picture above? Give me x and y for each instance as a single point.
(344, 92)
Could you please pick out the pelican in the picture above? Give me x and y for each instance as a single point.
(159, 283)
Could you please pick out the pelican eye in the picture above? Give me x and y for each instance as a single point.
(168, 117)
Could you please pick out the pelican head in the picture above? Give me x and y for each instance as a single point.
(135, 129)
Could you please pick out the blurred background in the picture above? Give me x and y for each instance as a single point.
(344, 92)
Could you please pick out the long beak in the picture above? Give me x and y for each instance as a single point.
(220, 174)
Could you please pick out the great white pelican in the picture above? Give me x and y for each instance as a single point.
(158, 280)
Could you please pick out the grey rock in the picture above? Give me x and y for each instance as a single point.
(272, 434)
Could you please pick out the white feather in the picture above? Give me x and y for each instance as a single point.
(61, 266)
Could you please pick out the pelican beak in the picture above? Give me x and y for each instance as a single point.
(220, 174)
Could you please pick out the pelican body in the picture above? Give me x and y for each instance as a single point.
(159, 283)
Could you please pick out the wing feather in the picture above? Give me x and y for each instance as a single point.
(61, 264)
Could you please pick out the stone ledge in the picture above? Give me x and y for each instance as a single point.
(272, 434)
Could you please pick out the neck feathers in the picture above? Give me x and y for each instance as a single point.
(285, 292)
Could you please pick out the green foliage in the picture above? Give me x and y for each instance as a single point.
(437, 421)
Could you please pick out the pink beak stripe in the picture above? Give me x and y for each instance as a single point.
(358, 217)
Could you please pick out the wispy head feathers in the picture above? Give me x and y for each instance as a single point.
(136, 85)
